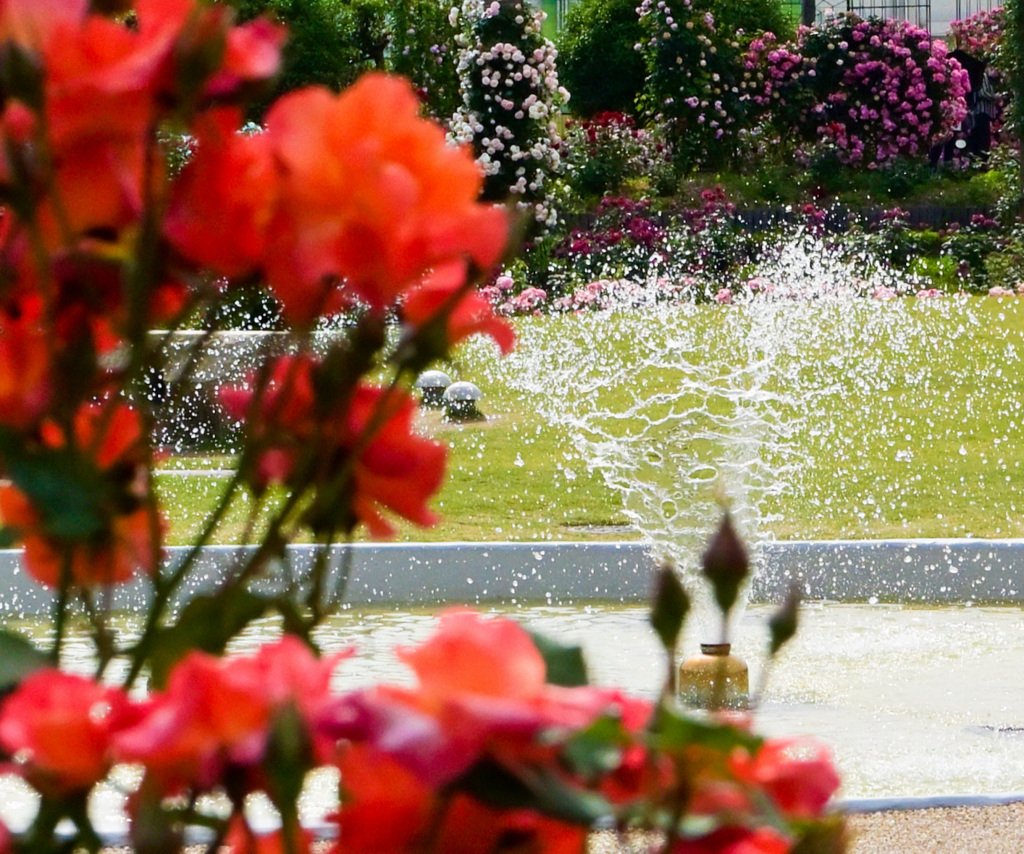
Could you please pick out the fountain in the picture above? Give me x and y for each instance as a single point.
(677, 413)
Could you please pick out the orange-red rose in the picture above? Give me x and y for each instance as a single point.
(109, 438)
(394, 468)
(59, 726)
(218, 712)
(372, 197)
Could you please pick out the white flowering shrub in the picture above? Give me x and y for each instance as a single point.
(510, 96)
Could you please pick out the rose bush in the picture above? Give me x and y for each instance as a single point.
(693, 80)
(510, 96)
(980, 34)
(600, 154)
(865, 92)
(347, 205)
(628, 255)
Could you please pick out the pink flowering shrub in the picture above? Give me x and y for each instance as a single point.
(867, 92)
(618, 242)
(980, 34)
(625, 254)
(693, 77)
(603, 294)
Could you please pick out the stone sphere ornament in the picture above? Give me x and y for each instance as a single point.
(460, 402)
(432, 385)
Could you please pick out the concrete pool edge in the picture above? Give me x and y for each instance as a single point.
(854, 806)
(936, 571)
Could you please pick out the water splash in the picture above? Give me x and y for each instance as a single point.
(681, 406)
(674, 411)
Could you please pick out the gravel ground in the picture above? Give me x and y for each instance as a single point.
(959, 830)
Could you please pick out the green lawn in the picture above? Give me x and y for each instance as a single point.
(904, 421)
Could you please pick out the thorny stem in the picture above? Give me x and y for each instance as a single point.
(681, 801)
(269, 545)
(103, 638)
(252, 518)
(344, 574)
(331, 494)
(61, 606)
(45, 156)
(432, 835)
(164, 588)
(317, 573)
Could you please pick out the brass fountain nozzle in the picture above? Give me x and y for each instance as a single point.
(714, 679)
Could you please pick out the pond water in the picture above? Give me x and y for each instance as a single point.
(913, 701)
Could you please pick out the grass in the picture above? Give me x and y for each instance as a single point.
(905, 422)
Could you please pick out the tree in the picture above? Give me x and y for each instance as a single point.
(597, 58)
(331, 42)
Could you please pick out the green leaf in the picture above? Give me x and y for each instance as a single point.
(9, 537)
(598, 748)
(207, 624)
(827, 835)
(533, 789)
(672, 731)
(565, 664)
(783, 623)
(670, 606)
(18, 659)
(293, 620)
(68, 492)
(494, 785)
(726, 565)
(560, 800)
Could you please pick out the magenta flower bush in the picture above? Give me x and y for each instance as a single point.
(628, 255)
(864, 91)
(980, 34)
